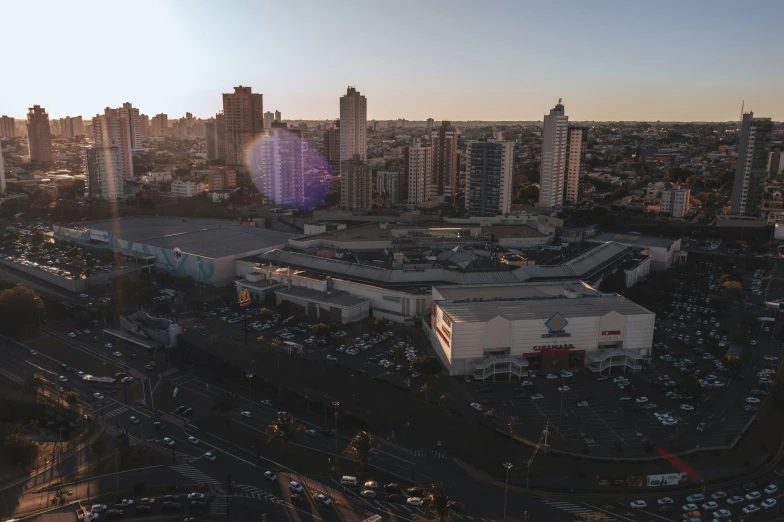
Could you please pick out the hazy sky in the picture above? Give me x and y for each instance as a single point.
(489, 60)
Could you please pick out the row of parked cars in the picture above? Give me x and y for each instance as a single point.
(196, 502)
(697, 501)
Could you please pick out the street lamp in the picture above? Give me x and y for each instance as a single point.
(335, 405)
(508, 466)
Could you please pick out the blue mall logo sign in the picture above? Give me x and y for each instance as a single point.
(556, 324)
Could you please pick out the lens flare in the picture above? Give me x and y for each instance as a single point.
(287, 169)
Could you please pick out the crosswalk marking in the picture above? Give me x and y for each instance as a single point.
(115, 412)
(113, 430)
(430, 453)
(194, 474)
(574, 509)
(220, 505)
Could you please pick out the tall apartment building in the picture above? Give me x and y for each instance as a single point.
(159, 125)
(223, 179)
(54, 128)
(554, 144)
(277, 116)
(356, 184)
(332, 146)
(115, 128)
(7, 127)
(489, 166)
(2, 171)
(244, 114)
(215, 130)
(71, 127)
(419, 169)
(752, 165)
(576, 147)
(444, 171)
(430, 123)
(105, 171)
(675, 201)
(277, 164)
(39, 136)
(388, 186)
(134, 124)
(775, 163)
(269, 119)
(353, 126)
(145, 123)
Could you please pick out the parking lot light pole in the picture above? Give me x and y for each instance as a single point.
(508, 466)
(560, 412)
(335, 405)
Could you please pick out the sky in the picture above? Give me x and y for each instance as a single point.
(684, 60)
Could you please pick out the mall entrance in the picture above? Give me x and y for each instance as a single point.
(553, 361)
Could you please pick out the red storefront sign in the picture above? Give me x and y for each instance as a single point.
(553, 347)
(444, 337)
(611, 332)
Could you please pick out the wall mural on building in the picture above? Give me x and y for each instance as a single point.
(199, 268)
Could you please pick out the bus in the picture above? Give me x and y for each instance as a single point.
(99, 382)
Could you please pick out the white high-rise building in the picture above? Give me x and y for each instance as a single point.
(186, 189)
(134, 123)
(2, 171)
(113, 128)
(675, 201)
(353, 126)
(420, 170)
(269, 117)
(489, 166)
(554, 144)
(577, 145)
(751, 168)
(105, 171)
(277, 165)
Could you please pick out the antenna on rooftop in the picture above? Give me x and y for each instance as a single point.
(742, 106)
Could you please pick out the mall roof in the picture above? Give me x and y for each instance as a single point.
(527, 308)
(635, 239)
(212, 238)
(334, 298)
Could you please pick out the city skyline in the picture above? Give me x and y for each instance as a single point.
(618, 61)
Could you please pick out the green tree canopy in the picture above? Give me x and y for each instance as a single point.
(20, 308)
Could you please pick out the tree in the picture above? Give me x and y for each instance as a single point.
(260, 338)
(360, 447)
(592, 517)
(290, 320)
(734, 286)
(37, 238)
(35, 382)
(380, 323)
(320, 329)
(71, 398)
(426, 365)
(20, 309)
(284, 428)
(60, 497)
(265, 314)
(97, 448)
(438, 503)
(276, 341)
(527, 194)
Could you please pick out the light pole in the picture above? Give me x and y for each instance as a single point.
(563, 383)
(335, 405)
(508, 466)
(250, 393)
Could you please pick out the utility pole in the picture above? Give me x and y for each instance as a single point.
(335, 405)
(508, 466)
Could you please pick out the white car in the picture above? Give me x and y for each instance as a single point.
(753, 495)
(771, 489)
(414, 501)
(582, 404)
(638, 504)
(267, 402)
(310, 433)
(210, 456)
(526, 383)
(687, 407)
(108, 345)
(368, 493)
(476, 406)
(296, 487)
(751, 508)
(768, 503)
(245, 414)
(33, 352)
(722, 514)
(71, 334)
(549, 376)
(270, 476)
(98, 395)
(734, 500)
(133, 420)
(168, 441)
(567, 374)
(719, 495)
(125, 502)
(641, 400)
(710, 506)
(664, 501)
(689, 507)
(323, 500)
(537, 397)
(771, 358)
(332, 358)
(62, 378)
(752, 400)
(117, 354)
(193, 440)
(563, 388)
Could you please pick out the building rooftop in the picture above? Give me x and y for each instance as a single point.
(507, 231)
(335, 298)
(518, 291)
(211, 238)
(635, 239)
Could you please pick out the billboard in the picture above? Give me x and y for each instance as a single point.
(667, 479)
(99, 235)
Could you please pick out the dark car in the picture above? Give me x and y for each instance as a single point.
(171, 498)
(180, 409)
(415, 492)
(112, 514)
(159, 425)
(170, 506)
(395, 497)
(327, 433)
(187, 411)
(296, 498)
(143, 508)
(392, 486)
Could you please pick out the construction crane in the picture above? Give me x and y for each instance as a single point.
(542, 438)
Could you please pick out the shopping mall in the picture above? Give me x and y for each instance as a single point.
(503, 331)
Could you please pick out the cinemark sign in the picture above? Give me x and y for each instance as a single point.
(553, 347)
